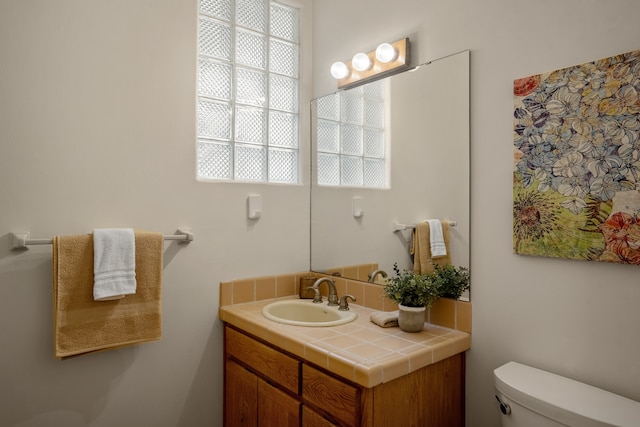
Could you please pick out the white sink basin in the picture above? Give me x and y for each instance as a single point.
(306, 313)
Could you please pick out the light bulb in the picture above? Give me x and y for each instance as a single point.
(339, 70)
(361, 61)
(385, 53)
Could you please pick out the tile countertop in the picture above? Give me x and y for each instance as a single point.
(359, 351)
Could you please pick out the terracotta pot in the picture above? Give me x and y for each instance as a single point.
(411, 319)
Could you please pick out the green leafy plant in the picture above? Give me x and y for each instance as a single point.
(411, 289)
(450, 280)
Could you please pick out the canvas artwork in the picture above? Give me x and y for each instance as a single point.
(576, 179)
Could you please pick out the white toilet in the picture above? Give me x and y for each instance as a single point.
(531, 397)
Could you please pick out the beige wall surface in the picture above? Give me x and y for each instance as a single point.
(97, 129)
(574, 318)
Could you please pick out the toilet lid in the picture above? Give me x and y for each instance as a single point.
(564, 400)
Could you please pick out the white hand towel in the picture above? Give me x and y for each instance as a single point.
(114, 263)
(436, 238)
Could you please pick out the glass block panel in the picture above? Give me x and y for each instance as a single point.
(351, 108)
(283, 129)
(374, 89)
(373, 111)
(252, 14)
(214, 39)
(374, 173)
(251, 162)
(283, 58)
(329, 107)
(328, 136)
(214, 79)
(351, 171)
(214, 119)
(214, 159)
(373, 143)
(220, 9)
(251, 87)
(284, 22)
(251, 49)
(248, 54)
(283, 93)
(283, 165)
(351, 140)
(328, 169)
(251, 125)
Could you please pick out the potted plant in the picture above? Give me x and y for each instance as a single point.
(413, 292)
(450, 280)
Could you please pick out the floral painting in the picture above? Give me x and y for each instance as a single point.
(576, 177)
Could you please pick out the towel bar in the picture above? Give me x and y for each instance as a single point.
(399, 227)
(22, 240)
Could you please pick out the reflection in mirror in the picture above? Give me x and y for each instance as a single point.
(426, 131)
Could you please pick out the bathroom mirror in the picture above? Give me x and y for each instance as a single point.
(427, 133)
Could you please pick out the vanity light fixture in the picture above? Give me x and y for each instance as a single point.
(339, 70)
(361, 62)
(386, 53)
(387, 59)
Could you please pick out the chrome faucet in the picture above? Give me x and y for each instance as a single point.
(344, 304)
(333, 293)
(372, 276)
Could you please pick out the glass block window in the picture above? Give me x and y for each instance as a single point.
(248, 91)
(351, 138)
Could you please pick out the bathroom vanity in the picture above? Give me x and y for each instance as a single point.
(283, 375)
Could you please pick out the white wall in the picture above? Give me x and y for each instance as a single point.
(575, 318)
(97, 120)
(96, 129)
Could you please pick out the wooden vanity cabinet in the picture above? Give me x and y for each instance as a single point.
(264, 386)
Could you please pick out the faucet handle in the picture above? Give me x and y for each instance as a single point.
(344, 304)
(317, 298)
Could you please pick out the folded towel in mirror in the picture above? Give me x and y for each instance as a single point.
(385, 319)
(436, 238)
(423, 260)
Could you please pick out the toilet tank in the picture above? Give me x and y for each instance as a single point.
(539, 398)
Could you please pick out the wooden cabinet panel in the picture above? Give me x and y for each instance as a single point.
(240, 396)
(340, 400)
(276, 408)
(276, 366)
(431, 396)
(311, 418)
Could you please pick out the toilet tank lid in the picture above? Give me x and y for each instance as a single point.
(564, 400)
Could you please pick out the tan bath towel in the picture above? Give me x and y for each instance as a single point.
(421, 245)
(82, 325)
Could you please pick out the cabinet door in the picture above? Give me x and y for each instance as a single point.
(276, 408)
(311, 418)
(240, 396)
(430, 396)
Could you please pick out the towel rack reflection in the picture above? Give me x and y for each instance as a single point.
(22, 240)
(399, 227)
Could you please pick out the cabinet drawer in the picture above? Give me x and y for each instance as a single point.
(339, 400)
(276, 366)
